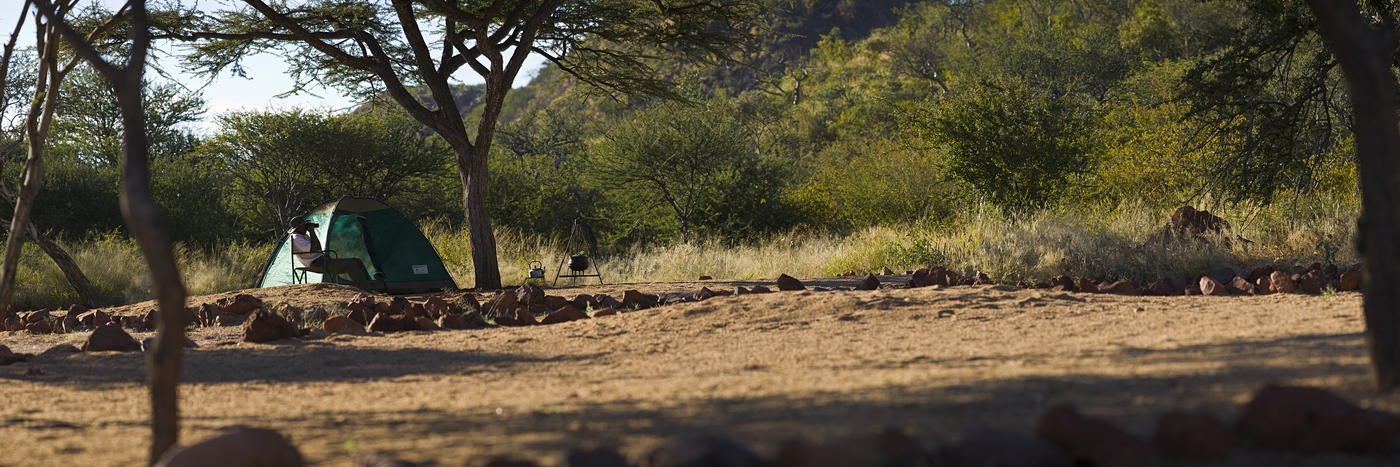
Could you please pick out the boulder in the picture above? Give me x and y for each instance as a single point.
(704, 294)
(529, 294)
(1261, 272)
(1262, 286)
(1241, 285)
(1062, 283)
(921, 278)
(359, 313)
(207, 314)
(564, 315)
(37, 316)
(240, 304)
(60, 349)
(8, 357)
(1162, 287)
(416, 310)
(981, 279)
(363, 299)
(110, 338)
(1313, 420)
(13, 323)
(789, 283)
(1212, 287)
(399, 305)
(70, 322)
(633, 298)
(501, 303)
(1313, 282)
(240, 446)
(989, 447)
(467, 302)
(1349, 280)
(1087, 285)
(604, 312)
(95, 318)
(885, 271)
(1092, 441)
(228, 319)
(264, 326)
(607, 301)
(759, 289)
(703, 451)
(1223, 275)
(436, 307)
(1193, 435)
(554, 302)
(450, 321)
(1282, 282)
(1119, 288)
(39, 327)
(423, 323)
(474, 320)
(740, 290)
(585, 301)
(387, 323)
(342, 325)
(870, 282)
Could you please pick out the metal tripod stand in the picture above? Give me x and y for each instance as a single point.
(578, 263)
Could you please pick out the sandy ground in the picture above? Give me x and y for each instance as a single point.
(765, 368)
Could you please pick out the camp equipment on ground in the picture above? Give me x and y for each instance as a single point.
(395, 253)
(536, 270)
(578, 262)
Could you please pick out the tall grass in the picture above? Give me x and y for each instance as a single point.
(1109, 243)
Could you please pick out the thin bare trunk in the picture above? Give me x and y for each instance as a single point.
(144, 219)
(86, 291)
(1365, 54)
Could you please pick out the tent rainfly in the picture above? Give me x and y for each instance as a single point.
(376, 233)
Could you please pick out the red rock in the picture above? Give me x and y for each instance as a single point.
(1312, 282)
(239, 446)
(70, 322)
(13, 323)
(435, 306)
(474, 320)
(500, 303)
(1313, 420)
(1263, 287)
(240, 304)
(228, 319)
(508, 320)
(703, 450)
(920, 278)
(1087, 285)
(529, 294)
(870, 282)
(8, 357)
(981, 279)
(362, 299)
(988, 447)
(1062, 281)
(1261, 272)
(704, 294)
(759, 289)
(41, 327)
(264, 326)
(604, 312)
(391, 323)
(740, 290)
(37, 316)
(553, 302)
(1349, 280)
(1193, 435)
(1282, 282)
(706, 278)
(110, 338)
(342, 325)
(584, 302)
(1330, 271)
(633, 298)
(1119, 288)
(1242, 286)
(452, 322)
(359, 313)
(206, 314)
(789, 283)
(564, 315)
(467, 302)
(422, 323)
(95, 318)
(1210, 287)
(61, 349)
(608, 301)
(525, 317)
(1094, 441)
(416, 310)
(1223, 275)
(1162, 287)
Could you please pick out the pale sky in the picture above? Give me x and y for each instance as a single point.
(267, 76)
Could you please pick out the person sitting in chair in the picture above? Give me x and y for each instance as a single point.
(307, 249)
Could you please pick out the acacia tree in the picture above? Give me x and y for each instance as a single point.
(398, 47)
(143, 216)
(1367, 55)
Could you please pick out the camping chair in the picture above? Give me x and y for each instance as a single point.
(299, 272)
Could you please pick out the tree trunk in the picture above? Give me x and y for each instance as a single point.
(1365, 55)
(86, 292)
(28, 188)
(471, 166)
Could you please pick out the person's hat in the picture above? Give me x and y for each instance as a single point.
(296, 222)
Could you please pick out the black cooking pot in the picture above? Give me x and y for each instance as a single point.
(578, 263)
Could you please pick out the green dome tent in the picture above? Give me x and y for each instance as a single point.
(379, 235)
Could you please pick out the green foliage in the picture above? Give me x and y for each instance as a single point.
(1018, 147)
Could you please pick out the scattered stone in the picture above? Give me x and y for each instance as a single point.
(110, 338)
(1262, 286)
(363, 299)
(1282, 282)
(990, 447)
(920, 278)
(207, 314)
(703, 451)
(564, 315)
(1193, 435)
(38, 316)
(553, 302)
(70, 322)
(264, 326)
(1313, 420)
(789, 283)
(740, 290)
(13, 323)
(607, 301)
(436, 307)
(981, 279)
(474, 319)
(8, 357)
(705, 294)
(1330, 271)
(1211, 287)
(1162, 287)
(501, 303)
(584, 302)
(1223, 275)
(239, 446)
(870, 282)
(1261, 272)
(706, 278)
(1062, 283)
(759, 289)
(240, 304)
(450, 321)
(61, 349)
(1087, 285)
(1092, 441)
(525, 317)
(399, 306)
(1119, 288)
(529, 294)
(507, 320)
(604, 312)
(885, 271)
(387, 323)
(633, 298)
(1242, 286)
(422, 323)
(1349, 280)
(1313, 282)
(359, 313)
(40, 327)
(95, 318)
(228, 319)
